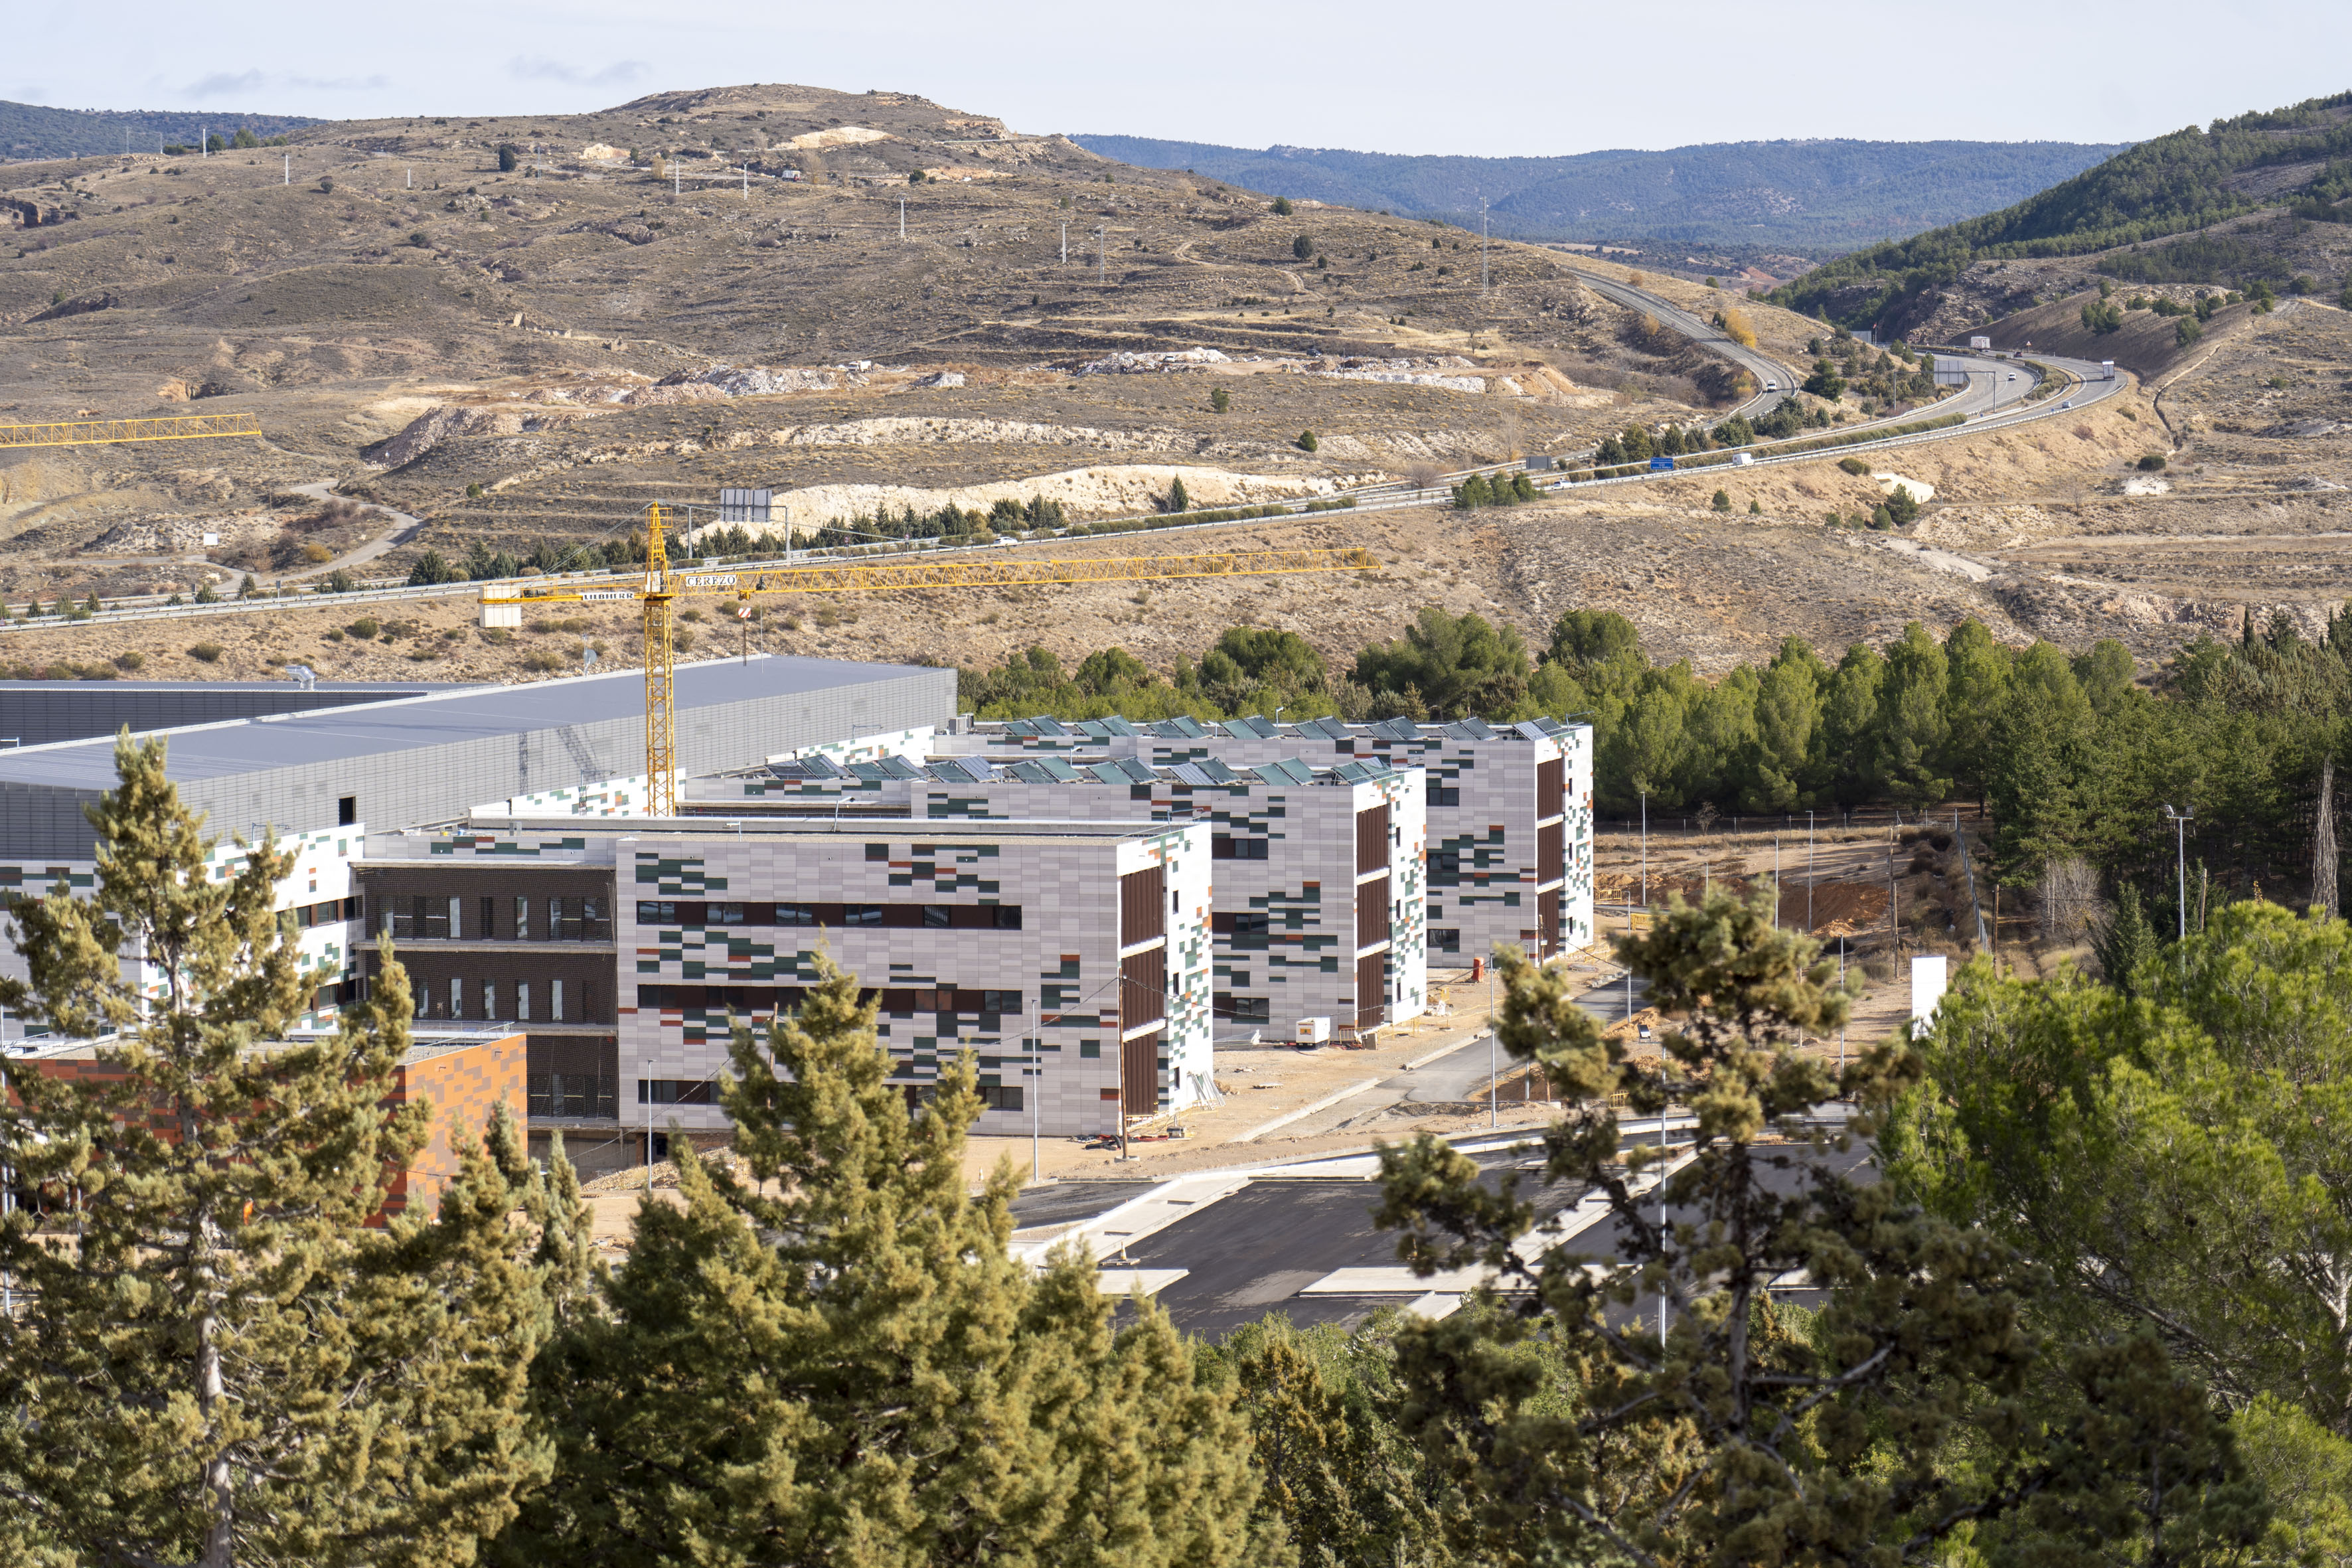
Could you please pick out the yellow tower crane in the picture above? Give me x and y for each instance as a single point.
(660, 588)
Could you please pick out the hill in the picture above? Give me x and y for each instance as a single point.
(32, 131)
(854, 299)
(1811, 196)
(2296, 160)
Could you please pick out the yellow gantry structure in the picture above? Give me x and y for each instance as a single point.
(109, 432)
(661, 588)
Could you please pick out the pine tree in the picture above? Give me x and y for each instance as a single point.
(1899, 1417)
(2125, 942)
(214, 1355)
(831, 1357)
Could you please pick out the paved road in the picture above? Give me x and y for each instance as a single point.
(1761, 365)
(404, 528)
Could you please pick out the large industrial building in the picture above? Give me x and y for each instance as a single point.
(1317, 917)
(986, 882)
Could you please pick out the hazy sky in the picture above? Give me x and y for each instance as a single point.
(1379, 75)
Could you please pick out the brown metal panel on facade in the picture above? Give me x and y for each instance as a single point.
(1371, 912)
(1371, 991)
(1372, 838)
(1142, 989)
(1547, 921)
(1552, 787)
(1142, 906)
(1139, 1074)
(1552, 852)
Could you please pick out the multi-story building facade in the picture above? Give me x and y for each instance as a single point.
(1509, 810)
(1318, 909)
(1072, 959)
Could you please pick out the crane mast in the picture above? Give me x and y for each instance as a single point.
(661, 588)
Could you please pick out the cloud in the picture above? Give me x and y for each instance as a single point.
(339, 83)
(225, 84)
(538, 68)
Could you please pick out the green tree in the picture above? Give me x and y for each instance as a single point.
(1789, 698)
(245, 137)
(1244, 658)
(1282, 207)
(830, 1356)
(1902, 506)
(2127, 942)
(430, 569)
(1338, 1475)
(1177, 499)
(2176, 1156)
(1721, 502)
(1302, 247)
(1976, 705)
(1824, 382)
(1584, 641)
(1220, 399)
(509, 157)
(2105, 674)
(1897, 1418)
(1849, 726)
(1459, 666)
(1307, 441)
(213, 1355)
(1912, 728)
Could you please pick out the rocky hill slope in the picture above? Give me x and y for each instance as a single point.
(2263, 196)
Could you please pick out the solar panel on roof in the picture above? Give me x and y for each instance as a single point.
(1285, 770)
(1397, 730)
(1031, 771)
(1184, 727)
(1216, 770)
(1186, 773)
(1478, 729)
(1528, 729)
(1253, 727)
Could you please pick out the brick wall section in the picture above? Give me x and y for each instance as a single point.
(464, 1085)
(464, 1082)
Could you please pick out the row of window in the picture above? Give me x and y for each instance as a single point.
(1241, 1009)
(517, 1001)
(326, 912)
(1225, 846)
(571, 1094)
(436, 918)
(672, 998)
(703, 1091)
(934, 917)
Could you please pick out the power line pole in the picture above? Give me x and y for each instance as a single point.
(1482, 245)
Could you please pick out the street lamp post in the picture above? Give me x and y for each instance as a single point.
(2180, 820)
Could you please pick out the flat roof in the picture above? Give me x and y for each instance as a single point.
(424, 1043)
(440, 718)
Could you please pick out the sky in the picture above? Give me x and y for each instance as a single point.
(1516, 78)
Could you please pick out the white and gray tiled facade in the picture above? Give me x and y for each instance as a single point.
(1509, 810)
(1071, 959)
(1319, 874)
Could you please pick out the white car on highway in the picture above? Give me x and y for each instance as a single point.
(1771, 386)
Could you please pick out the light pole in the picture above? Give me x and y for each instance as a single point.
(1493, 1114)
(1809, 873)
(2180, 820)
(1646, 851)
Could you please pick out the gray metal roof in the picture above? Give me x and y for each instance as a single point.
(460, 714)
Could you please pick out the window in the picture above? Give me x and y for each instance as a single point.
(555, 1001)
(878, 852)
(1089, 1050)
(1443, 795)
(489, 998)
(522, 1001)
(721, 914)
(1241, 923)
(347, 811)
(936, 916)
(489, 919)
(861, 914)
(676, 1092)
(1227, 847)
(1444, 939)
(997, 1099)
(521, 918)
(1241, 1009)
(457, 997)
(1445, 867)
(582, 920)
